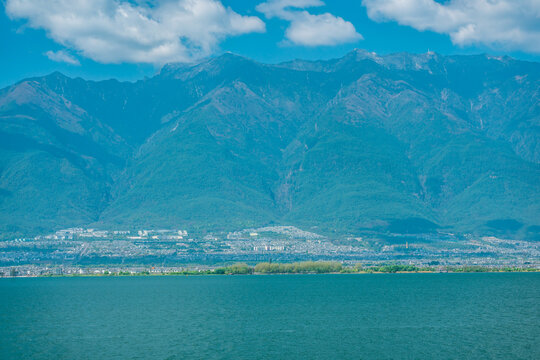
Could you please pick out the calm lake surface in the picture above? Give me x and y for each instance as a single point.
(395, 316)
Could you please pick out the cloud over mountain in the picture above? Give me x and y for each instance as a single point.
(62, 56)
(307, 29)
(121, 31)
(506, 24)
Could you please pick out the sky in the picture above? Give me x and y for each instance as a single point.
(133, 39)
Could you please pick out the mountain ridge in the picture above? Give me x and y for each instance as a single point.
(379, 142)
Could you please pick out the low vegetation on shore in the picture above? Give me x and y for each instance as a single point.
(316, 267)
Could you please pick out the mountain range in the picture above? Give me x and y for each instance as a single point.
(398, 143)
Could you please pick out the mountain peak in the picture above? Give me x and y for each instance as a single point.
(231, 55)
(224, 62)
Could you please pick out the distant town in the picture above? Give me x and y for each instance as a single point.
(96, 251)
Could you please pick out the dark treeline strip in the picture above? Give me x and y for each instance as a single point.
(317, 267)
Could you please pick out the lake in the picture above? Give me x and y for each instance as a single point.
(366, 316)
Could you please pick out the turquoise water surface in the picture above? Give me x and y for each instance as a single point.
(394, 316)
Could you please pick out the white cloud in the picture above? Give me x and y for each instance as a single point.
(307, 29)
(506, 24)
(114, 31)
(62, 56)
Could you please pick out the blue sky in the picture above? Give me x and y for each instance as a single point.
(100, 39)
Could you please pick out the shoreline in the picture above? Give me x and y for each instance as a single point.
(263, 268)
(116, 275)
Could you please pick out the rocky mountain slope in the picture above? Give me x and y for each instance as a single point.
(398, 143)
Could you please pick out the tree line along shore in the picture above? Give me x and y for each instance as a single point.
(316, 267)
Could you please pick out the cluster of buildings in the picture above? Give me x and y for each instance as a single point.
(79, 247)
(82, 233)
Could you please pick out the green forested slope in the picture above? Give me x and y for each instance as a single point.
(397, 143)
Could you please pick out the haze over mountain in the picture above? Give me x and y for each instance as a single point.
(403, 143)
